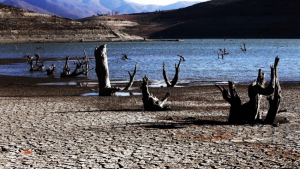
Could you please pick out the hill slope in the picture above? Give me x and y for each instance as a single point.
(223, 18)
(20, 26)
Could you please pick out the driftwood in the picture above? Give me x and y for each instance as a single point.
(151, 103)
(131, 77)
(82, 67)
(221, 55)
(28, 57)
(183, 59)
(176, 77)
(102, 72)
(125, 57)
(249, 112)
(38, 66)
(244, 49)
(37, 58)
(51, 70)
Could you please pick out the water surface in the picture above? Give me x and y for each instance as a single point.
(202, 65)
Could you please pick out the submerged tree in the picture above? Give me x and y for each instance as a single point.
(82, 67)
(249, 112)
(151, 103)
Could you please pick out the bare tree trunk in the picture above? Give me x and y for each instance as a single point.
(131, 77)
(249, 112)
(275, 102)
(151, 103)
(176, 77)
(102, 72)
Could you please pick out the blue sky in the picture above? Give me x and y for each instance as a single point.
(162, 2)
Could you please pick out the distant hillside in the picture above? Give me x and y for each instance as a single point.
(25, 5)
(19, 26)
(85, 8)
(222, 18)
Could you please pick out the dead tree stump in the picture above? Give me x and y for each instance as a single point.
(249, 112)
(275, 101)
(176, 76)
(151, 103)
(102, 72)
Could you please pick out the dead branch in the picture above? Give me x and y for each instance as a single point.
(176, 77)
(183, 59)
(80, 68)
(131, 77)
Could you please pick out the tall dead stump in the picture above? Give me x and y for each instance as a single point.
(102, 72)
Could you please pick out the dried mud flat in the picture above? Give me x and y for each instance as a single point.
(50, 129)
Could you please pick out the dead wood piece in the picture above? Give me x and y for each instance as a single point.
(249, 112)
(131, 77)
(102, 72)
(183, 59)
(151, 103)
(244, 49)
(51, 70)
(37, 58)
(36, 67)
(125, 57)
(80, 68)
(176, 76)
(275, 101)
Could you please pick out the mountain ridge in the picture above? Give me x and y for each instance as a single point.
(86, 8)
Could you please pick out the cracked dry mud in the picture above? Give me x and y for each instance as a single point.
(77, 132)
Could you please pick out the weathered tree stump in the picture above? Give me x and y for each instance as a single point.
(151, 103)
(131, 77)
(176, 76)
(249, 112)
(102, 72)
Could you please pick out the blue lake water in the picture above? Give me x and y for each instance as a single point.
(201, 66)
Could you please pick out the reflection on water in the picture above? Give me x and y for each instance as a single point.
(201, 65)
